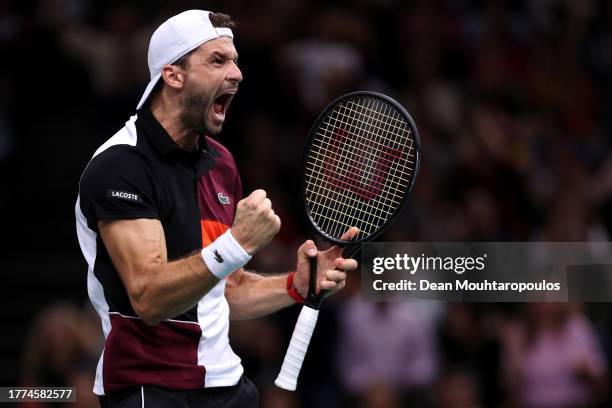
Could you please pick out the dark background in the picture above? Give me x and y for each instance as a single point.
(512, 99)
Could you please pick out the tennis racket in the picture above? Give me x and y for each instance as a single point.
(359, 165)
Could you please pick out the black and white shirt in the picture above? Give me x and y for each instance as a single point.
(140, 172)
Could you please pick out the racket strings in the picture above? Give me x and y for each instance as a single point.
(338, 199)
(353, 115)
(328, 207)
(370, 135)
(359, 167)
(385, 156)
(394, 143)
(353, 164)
(369, 142)
(345, 215)
(354, 215)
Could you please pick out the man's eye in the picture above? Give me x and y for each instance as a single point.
(217, 61)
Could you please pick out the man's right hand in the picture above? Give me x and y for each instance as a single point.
(255, 223)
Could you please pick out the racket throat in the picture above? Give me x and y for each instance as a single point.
(312, 299)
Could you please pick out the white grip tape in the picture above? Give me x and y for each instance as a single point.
(290, 370)
(224, 255)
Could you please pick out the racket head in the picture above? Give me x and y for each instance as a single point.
(360, 164)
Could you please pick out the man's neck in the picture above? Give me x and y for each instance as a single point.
(169, 118)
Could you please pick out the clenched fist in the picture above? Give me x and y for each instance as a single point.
(255, 223)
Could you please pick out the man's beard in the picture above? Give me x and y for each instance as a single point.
(194, 113)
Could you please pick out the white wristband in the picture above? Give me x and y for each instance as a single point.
(224, 255)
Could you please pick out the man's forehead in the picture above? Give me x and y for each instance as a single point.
(222, 45)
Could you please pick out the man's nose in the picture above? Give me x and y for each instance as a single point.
(234, 74)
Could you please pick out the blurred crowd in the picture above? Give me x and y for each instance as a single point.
(514, 107)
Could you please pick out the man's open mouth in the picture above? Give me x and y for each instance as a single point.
(221, 104)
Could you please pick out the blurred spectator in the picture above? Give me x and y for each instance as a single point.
(380, 394)
(470, 352)
(552, 358)
(61, 351)
(387, 348)
(110, 53)
(330, 61)
(457, 389)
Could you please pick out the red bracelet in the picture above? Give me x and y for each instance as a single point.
(291, 289)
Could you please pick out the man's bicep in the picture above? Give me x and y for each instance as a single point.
(134, 246)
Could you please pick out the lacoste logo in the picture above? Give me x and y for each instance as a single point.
(124, 195)
(218, 257)
(223, 199)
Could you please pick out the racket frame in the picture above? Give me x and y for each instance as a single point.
(311, 136)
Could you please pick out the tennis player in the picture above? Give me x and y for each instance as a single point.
(162, 225)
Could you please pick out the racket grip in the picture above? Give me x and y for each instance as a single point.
(290, 370)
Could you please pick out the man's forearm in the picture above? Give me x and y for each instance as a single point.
(173, 288)
(251, 295)
(157, 289)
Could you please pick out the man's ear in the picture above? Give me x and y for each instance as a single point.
(173, 76)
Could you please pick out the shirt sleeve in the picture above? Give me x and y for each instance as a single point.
(118, 184)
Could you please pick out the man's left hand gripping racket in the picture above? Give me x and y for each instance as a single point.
(360, 163)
